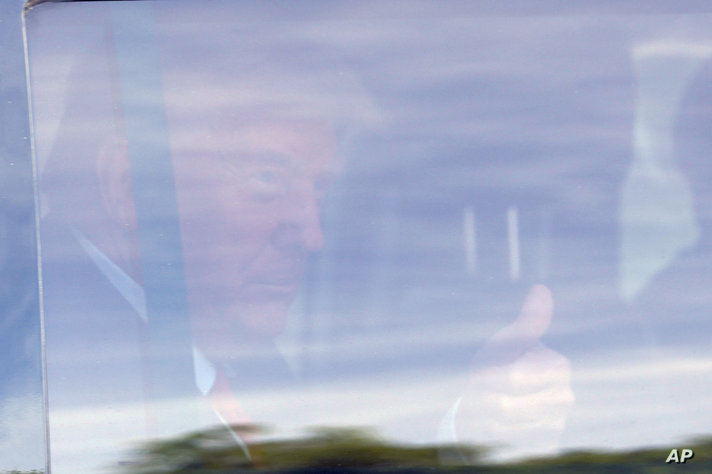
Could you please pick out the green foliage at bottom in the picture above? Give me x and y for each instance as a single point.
(351, 450)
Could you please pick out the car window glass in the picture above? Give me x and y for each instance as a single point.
(451, 234)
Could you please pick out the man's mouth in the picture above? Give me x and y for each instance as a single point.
(274, 281)
(272, 289)
(277, 286)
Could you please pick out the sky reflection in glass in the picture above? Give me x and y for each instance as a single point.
(379, 201)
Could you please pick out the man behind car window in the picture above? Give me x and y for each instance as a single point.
(254, 148)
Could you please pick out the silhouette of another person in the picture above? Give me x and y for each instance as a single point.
(675, 309)
(678, 301)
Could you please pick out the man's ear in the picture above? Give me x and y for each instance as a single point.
(113, 169)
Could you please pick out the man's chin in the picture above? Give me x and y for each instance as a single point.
(226, 331)
(259, 320)
(264, 325)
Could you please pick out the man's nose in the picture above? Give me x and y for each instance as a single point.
(311, 235)
(301, 229)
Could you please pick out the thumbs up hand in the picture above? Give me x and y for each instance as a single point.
(519, 393)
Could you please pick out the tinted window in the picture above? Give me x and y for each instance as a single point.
(447, 234)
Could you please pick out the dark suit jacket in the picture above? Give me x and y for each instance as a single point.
(99, 385)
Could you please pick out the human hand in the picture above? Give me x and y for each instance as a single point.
(519, 392)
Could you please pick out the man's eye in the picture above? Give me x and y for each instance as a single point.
(267, 184)
(265, 177)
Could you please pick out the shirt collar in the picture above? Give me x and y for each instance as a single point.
(205, 372)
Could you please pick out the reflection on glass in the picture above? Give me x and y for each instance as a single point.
(22, 422)
(22, 406)
(407, 240)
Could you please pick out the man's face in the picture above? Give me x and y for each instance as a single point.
(249, 203)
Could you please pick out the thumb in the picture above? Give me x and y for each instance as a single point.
(511, 342)
(535, 317)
